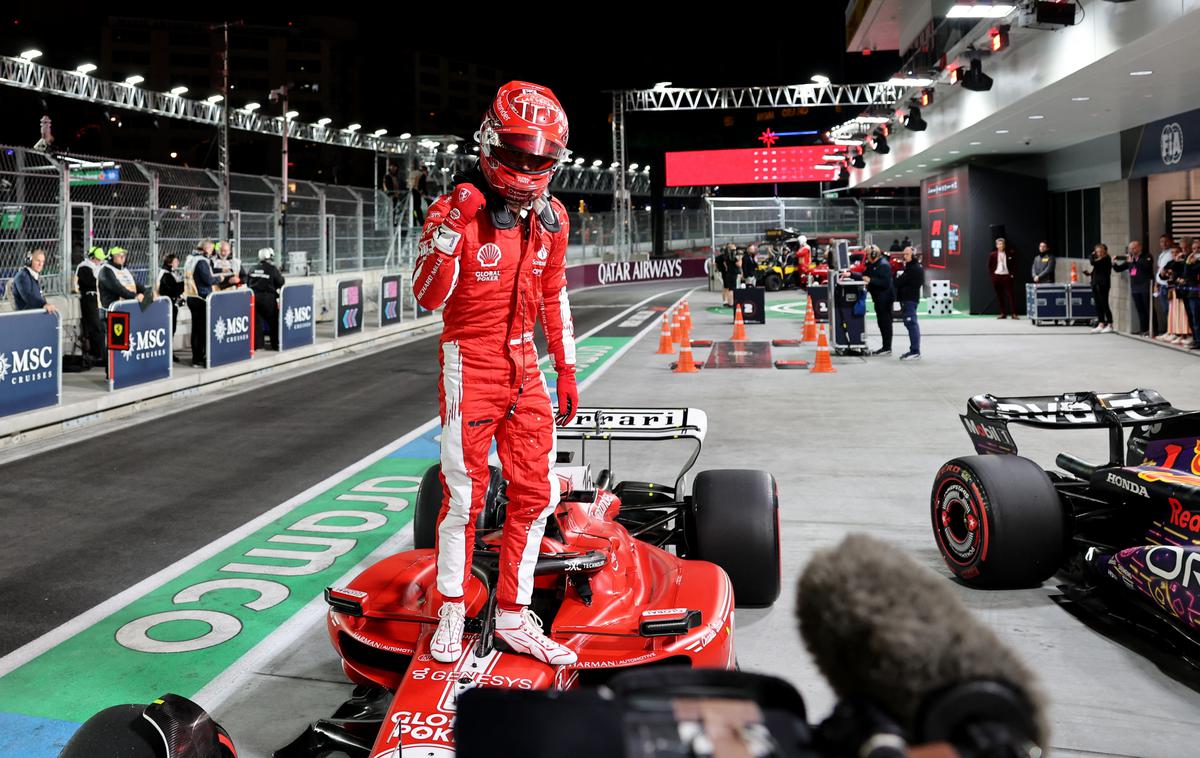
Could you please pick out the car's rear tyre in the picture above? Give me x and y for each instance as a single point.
(772, 282)
(428, 506)
(998, 521)
(735, 524)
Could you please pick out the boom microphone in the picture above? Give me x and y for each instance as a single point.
(886, 631)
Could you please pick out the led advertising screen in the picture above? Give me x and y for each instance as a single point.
(755, 165)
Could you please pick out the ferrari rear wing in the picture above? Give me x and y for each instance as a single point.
(636, 424)
(639, 424)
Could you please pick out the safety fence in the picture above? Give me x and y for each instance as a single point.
(65, 204)
(744, 220)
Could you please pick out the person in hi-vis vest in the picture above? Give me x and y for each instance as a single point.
(198, 284)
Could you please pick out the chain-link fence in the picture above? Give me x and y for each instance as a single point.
(67, 204)
(744, 220)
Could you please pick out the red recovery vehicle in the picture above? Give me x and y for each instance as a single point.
(630, 574)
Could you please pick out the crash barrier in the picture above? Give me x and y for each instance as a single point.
(625, 272)
(147, 337)
(230, 327)
(752, 301)
(30, 361)
(390, 309)
(350, 308)
(1059, 303)
(297, 321)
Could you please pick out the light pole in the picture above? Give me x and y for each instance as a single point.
(280, 95)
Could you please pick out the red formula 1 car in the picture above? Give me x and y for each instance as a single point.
(630, 574)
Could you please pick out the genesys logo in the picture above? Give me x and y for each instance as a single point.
(298, 317)
(33, 364)
(234, 329)
(144, 345)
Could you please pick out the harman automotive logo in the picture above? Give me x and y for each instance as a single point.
(297, 316)
(151, 343)
(638, 271)
(233, 329)
(1125, 484)
(1171, 144)
(33, 364)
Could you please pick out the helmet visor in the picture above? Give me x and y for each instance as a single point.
(529, 153)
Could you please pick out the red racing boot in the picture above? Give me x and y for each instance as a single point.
(522, 631)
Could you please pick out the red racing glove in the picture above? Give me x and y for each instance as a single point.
(467, 202)
(568, 399)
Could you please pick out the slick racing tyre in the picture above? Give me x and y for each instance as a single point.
(998, 521)
(429, 504)
(773, 282)
(735, 524)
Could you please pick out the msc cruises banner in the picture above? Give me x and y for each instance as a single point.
(229, 327)
(148, 358)
(624, 272)
(30, 358)
(297, 326)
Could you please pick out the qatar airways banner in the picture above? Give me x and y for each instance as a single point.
(625, 272)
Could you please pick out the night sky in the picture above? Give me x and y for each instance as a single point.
(580, 59)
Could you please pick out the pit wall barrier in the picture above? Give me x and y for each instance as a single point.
(30, 361)
(148, 358)
(628, 272)
(350, 308)
(230, 327)
(297, 316)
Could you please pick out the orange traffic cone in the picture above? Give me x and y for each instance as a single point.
(739, 326)
(665, 344)
(823, 363)
(686, 319)
(675, 330)
(810, 323)
(686, 364)
(1074, 274)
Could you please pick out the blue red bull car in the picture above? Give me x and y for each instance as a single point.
(1123, 533)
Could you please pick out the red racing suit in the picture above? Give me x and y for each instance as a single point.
(494, 290)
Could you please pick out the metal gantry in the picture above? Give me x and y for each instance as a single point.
(783, 96)
(622, 207)
(17, 72)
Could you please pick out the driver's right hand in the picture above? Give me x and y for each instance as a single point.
(466, 203)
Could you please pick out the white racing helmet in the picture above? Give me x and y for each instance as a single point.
(266, 254)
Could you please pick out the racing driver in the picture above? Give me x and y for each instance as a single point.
(492, 252)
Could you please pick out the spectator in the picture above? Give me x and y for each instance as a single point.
(86, 285)
(750, 265)
(896, 246)
(1141, 276)
(224, 267)
(1043, 265)
(266, 281)
(878, 278)
(116, 283)
(727, 266)
(1191, 279)
(1101, 275)
(1166, 254)
(392, 188)
(198, 284)
(909, 282)
(170, 285)
(906, 242)
(26, 286)
(1001, 263)
(417, 181)
(1178, 330)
